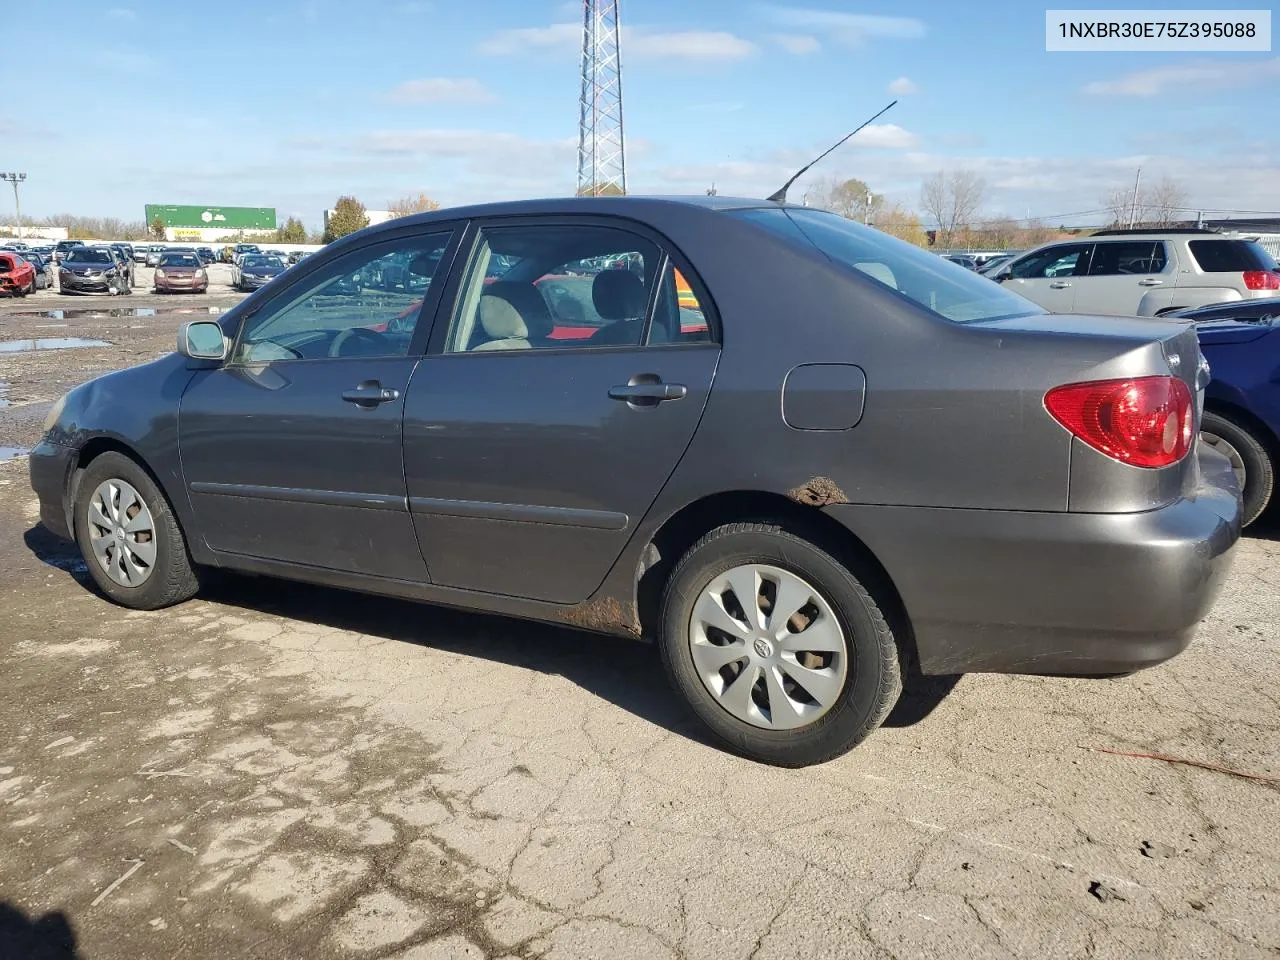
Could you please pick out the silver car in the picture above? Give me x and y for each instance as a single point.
(1142, 273)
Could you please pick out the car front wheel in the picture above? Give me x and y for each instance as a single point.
(129, 537)
(1250, 460)
(777, 646)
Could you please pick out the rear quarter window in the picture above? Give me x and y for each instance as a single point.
(945, 289)
(1230, 256)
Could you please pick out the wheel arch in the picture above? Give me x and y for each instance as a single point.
(1247, 421)
(95, 447)
(687, 525)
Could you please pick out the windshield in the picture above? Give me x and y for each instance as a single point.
(252, 261)
(179, 260)
(86, 255)
(941, 287)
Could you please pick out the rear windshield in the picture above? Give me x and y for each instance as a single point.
(1231, 256)
(945, 289)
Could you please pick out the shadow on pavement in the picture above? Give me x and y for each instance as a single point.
(48, 937)
(624, 672)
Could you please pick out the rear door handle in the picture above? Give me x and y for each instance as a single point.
(369, 394)
(1059, 284)
(648, 394)
(1148, 282)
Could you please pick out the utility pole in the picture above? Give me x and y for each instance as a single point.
(15, 179)
(1133, 207)
(866, 210)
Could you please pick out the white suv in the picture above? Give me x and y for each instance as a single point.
(1143, 272)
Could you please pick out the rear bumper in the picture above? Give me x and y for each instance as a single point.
(1056, 593)
(49, 467)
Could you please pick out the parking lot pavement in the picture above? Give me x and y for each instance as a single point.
(280, 771)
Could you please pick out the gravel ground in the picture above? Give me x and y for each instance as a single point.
(274, 770)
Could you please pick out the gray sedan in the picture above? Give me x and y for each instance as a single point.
(799, 455)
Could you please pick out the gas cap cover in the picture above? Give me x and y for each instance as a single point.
(824, 396)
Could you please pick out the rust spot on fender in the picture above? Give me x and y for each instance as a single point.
(605, 614)
(818, 492)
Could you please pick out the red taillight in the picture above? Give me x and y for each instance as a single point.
(1146, 421)
(1262, 279)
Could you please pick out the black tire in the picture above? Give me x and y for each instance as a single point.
(1259, 470)
(173, 578)
(874, 678)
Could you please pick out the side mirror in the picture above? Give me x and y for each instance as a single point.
(202, 340)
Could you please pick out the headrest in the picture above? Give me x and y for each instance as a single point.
(501, 321)
(527, 301)
(618, 295)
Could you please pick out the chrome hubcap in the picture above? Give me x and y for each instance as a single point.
(768, 647)
(1228, 451)
(121, 533)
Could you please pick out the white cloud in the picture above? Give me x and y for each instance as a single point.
(638, 44)
(555, 38)
(886, 136)
(797, 43)
(903, 86)
(441, 90)
(122, 13)
(849, 29)
(1195, 76)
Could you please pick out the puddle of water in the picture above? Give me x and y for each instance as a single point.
(4, 394)
(48, 343)
(50, 326)
(81, 314)
(12, 453)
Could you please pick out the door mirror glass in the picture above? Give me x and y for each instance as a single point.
(202, 340)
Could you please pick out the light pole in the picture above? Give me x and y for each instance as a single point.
(15, 179)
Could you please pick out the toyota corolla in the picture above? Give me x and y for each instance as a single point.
(798, 454)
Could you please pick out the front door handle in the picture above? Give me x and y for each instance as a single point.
(369, 394)
(1059, 284)
(647, 393)
(1149, 282)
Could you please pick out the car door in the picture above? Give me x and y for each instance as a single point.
(292, 450)
(1121, 273)
(1048, 276)
(531, 455)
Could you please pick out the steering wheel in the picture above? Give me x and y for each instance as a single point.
(356, 334)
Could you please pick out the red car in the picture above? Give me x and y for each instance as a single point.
(17, 277)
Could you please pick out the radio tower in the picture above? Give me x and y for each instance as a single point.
(602, 164)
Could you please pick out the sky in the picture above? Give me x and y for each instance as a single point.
(290, 103)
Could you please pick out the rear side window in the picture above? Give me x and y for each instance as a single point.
(1126, 257)
(1230, 256)
(1063, 260)
(945, 289)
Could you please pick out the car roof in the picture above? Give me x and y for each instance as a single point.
(634, 206)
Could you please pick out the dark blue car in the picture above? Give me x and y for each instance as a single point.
(1241, 341)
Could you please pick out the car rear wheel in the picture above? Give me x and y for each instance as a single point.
(129, 537)
(1250, 460)
(777, 646)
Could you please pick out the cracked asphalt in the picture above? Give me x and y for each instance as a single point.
(275, 770)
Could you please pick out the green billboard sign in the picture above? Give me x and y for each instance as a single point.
(225, 218)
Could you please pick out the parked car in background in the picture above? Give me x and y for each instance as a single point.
(125, 256)
(967, 262)
(62, 247)
(917, 467)
(1241, 342)
(254, 270)
(91, 270)
(17, 277)
(43, 268)
(992, 266)
(240, 249)
(295, 256)
(205, 254)
(1143, 272)
(140, 252)
(181, 272)
(154, 254)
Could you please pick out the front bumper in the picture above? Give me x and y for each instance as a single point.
(49, 467)
(1056, 593)
(88, 284)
